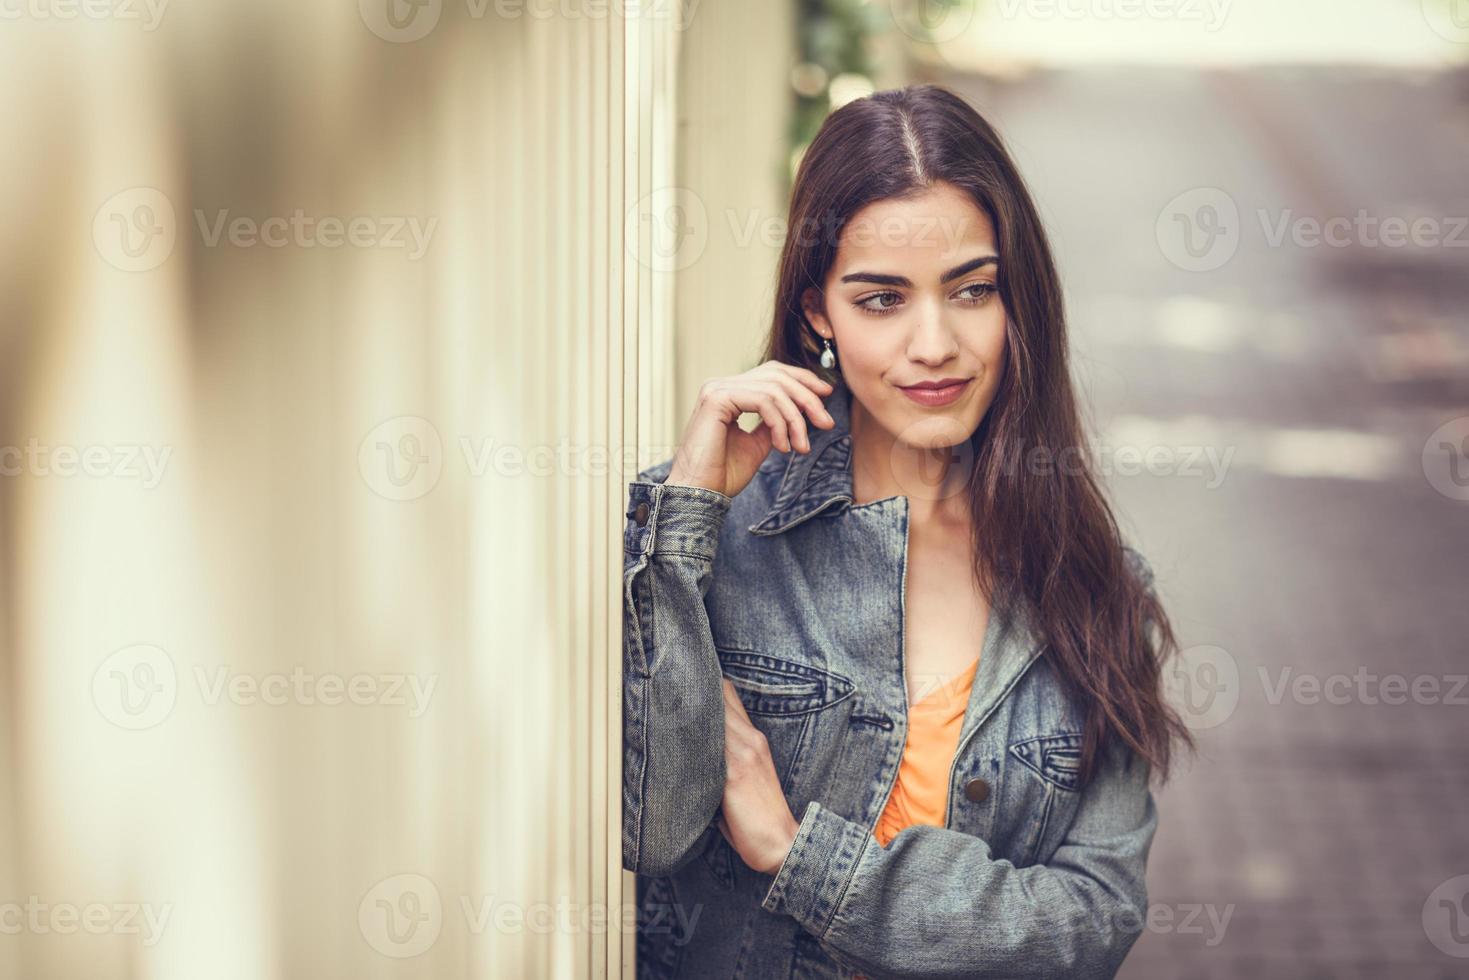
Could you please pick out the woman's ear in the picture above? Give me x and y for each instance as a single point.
(814, 307)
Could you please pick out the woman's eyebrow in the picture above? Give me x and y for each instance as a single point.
(884, 279)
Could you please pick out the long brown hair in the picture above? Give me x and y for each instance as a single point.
(1043, 536)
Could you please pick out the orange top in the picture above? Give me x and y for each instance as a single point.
(921, 793)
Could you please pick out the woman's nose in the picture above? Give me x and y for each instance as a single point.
(932, 342)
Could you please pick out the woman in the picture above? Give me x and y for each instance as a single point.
(892, 677)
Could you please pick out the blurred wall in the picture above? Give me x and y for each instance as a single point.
(323, 328)
(734, 162)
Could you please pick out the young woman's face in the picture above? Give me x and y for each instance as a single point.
(912, 297)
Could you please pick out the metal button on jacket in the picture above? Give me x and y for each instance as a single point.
(641, 514)
(976, 790)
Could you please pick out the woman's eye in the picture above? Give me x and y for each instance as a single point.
(885, 302)
(978, 292)
(881, 307)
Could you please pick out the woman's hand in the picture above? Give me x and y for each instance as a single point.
(754, 815)
(716, 454)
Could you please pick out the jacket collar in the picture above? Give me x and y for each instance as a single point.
(822, 478)
(816, 480)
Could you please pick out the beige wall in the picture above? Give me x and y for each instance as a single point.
(733, 161)
(329, 511)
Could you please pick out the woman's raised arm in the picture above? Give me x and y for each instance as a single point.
(673, 706)
(673, 699)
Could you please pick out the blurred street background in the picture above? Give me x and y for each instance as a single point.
(1234, 209)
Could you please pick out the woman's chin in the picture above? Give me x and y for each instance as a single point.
(934, 430)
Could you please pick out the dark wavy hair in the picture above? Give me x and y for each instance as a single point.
(1043, 536)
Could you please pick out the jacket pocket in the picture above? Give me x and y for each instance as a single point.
(773, 686)
(801, 710)
(790, 703)
(1050, 778)
(1054, 758)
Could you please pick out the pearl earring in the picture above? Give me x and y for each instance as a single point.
(828, 356)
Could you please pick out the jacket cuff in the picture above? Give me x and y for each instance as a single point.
(818, 868)
(674, 519)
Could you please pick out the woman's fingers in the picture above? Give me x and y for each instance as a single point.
(784, 397)
(715, 455)
(809, 401)
(774, 399)
(805, 376)
(747, 397)
(780, 398)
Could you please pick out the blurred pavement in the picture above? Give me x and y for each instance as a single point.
(1305, 545)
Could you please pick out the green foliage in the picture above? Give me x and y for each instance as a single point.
(835, 35)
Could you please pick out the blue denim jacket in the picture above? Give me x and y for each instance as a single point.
(795, 593)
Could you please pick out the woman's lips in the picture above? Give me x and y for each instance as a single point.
(935, 397)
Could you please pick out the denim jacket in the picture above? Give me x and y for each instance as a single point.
(795, 592)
